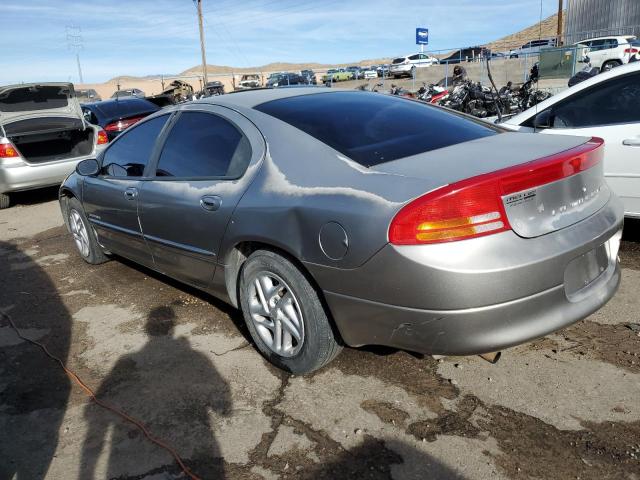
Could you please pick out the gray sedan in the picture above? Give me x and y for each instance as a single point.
(336, 218)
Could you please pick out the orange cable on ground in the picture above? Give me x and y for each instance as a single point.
(99, 402)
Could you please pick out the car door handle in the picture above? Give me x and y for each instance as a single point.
(632, 142)
(131, 193)
(211, 202)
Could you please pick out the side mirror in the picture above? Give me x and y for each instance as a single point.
(543, 120)
(88, 168)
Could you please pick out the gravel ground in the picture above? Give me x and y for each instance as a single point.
(564, 407)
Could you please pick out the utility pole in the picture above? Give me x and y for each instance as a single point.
(74, 42)
(560, 9)
(204, 56)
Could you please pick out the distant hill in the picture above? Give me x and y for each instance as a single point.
(545, 29)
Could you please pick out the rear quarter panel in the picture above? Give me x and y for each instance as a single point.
(304, 184)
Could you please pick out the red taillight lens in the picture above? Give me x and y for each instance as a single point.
(7, 150)
(474, 207)
(631, 50)
(102, 138)
(120, 125)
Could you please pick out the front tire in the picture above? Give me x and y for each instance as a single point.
(83, 235)
(606, 66)
(5, 201)
(284, 314)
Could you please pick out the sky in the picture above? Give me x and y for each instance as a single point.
(148, 37)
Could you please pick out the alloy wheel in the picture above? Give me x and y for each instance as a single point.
(79, 232)
(276, 314)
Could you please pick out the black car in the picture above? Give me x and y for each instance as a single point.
(309, 76)
(114, 116)
(286, 79)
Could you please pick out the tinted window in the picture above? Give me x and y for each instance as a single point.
(371, 128)
(399, 60)
(130, 153)
(33, 98)
(611, 102)
(204, 145)
(414, 57)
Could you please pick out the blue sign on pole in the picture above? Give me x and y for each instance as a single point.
(422, 36)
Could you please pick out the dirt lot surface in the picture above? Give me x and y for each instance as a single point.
(564, 407)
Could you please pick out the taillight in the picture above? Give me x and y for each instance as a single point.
(631, 50)
(7, 150)
(102, 137)
(474, 207)
(120, 125)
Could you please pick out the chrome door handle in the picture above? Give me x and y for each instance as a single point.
(632, 142)
(131, 193)
(211, 202)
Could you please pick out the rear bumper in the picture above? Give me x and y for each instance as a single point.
(24, 176)
(468, 331)
(478, 296)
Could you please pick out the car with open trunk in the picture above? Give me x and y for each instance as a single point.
(43, 135)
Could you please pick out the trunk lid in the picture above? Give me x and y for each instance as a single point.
(38, 99)
(537, 209)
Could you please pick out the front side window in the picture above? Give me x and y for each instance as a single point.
(608, 103)
(130, 153)
(204, 145)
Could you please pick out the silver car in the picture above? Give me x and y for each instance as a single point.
(43, 135)
(336, 218)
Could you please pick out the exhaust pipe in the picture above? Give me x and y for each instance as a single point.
(492, 357)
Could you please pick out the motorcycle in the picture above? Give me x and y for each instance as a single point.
(431, 93)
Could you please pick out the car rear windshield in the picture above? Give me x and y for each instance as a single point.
(398, 60)
(371, 128)
(35, 97)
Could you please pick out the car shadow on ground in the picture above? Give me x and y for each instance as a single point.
(35, 391)
(34, 197)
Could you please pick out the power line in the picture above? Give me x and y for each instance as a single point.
(75, 43)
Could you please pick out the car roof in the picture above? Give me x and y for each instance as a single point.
(602, 77)
(251, 98)
(606, 38)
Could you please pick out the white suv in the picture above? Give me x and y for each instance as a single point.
(608, 52)
(407, 65)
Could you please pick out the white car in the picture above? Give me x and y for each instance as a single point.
(608, 52)
(605, 106)
(43, 136)
(407, 65)
(370, 72)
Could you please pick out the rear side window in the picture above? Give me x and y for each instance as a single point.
(130, 152)
(204, 145)
(607, 103)
(371, 128)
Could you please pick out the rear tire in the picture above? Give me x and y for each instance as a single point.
(275, 296)
(606, 66)
(83, 235)
(5, 201)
